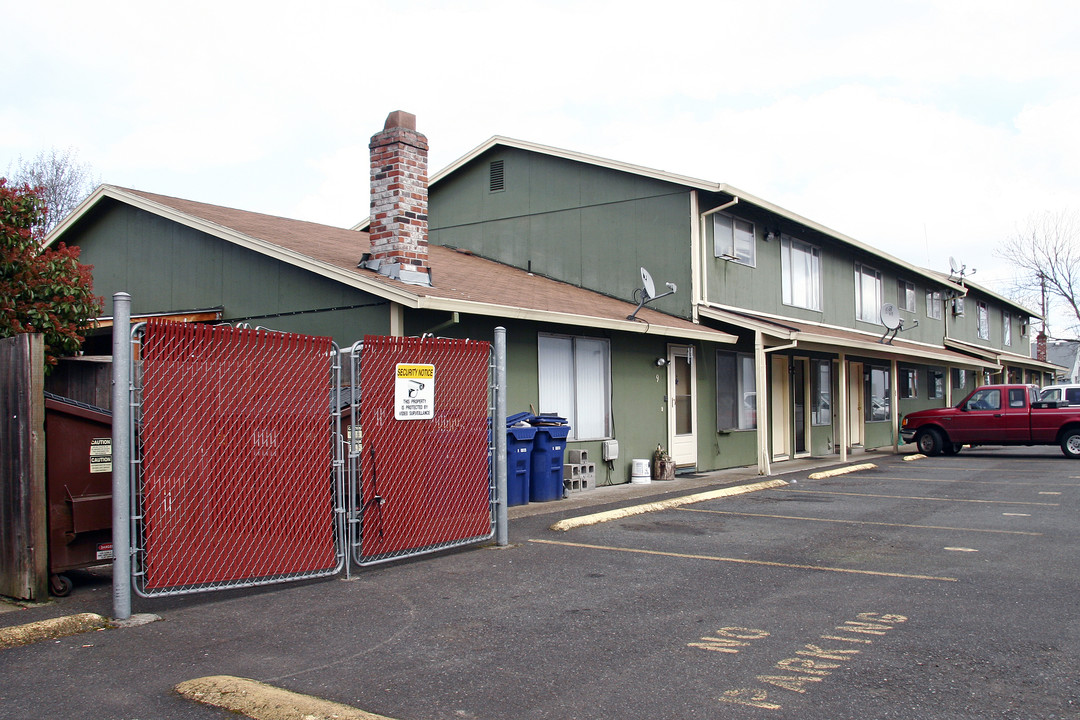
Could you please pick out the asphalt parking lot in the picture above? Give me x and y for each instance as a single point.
(936, 588)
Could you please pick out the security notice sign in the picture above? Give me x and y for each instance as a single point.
(414, 392)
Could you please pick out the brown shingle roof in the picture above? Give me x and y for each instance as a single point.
(461, 281)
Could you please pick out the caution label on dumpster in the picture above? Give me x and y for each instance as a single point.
(414, 392)
(101, 455)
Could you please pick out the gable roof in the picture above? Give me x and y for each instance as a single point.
(967, 285)
(689, 182)
(461, 282)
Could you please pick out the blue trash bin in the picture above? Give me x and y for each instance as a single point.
(519, 445)
(549, 445)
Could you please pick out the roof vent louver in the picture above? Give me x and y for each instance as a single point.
(497, 180)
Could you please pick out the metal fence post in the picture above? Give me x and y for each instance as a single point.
(121, 449)
(498, 428)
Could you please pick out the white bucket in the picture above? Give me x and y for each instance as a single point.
(640, 472)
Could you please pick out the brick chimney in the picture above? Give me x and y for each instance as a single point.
(399, 201)
(1040, 346)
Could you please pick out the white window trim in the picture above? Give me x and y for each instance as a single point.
(740, 391)
(902, 287)
(604, 392)
(787, 245)
(862, 312)
(934, 304)
(826, 393)
(724, 234)
(982, 318)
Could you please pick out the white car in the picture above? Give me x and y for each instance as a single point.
(1068, 393)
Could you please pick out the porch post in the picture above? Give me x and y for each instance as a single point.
(894, 399)
(761, 399)
(844, 440)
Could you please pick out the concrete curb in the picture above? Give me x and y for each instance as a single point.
(51, 629)
(596, 518)
(266, 702)
(916, 456)
(840, 471)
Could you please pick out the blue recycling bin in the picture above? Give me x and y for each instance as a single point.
(519, 445)
(549, 446)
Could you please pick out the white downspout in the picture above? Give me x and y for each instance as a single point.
(700, 258)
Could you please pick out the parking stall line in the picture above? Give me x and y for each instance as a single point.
(912, 497)
(864, 522)
(745, 561)
(1013, 483)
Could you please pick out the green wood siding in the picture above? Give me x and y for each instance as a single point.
(759, 288)
(638, 390)
(578, 223)
(166, 266)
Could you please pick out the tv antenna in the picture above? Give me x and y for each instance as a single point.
(647, 293)
(958, 270)
(890, 318)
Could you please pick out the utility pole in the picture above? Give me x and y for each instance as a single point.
(1040, 341)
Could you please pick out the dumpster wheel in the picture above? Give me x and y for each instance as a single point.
(60, 585)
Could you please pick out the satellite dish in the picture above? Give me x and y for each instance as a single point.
(953, 265)
(647, 292)
(890, 318)
(650, 286)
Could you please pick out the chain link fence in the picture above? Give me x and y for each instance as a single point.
(419, 446)
(239, 476)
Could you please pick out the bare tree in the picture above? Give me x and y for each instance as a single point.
(65, 182)
(1046, 257)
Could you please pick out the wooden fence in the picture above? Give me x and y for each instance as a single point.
(24, 549)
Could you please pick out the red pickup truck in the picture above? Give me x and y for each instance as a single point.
(995, 415)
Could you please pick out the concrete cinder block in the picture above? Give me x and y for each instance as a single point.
(579, 476)
(577, 457)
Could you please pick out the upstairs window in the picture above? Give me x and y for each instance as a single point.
(800, 273)
(1006, 329)
(983, 314)
(905, 296)
(867, 294)
(733, 239)
(933, 304)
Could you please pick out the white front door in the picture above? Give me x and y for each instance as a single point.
(780, 408)
(682, 395)
(855, 404)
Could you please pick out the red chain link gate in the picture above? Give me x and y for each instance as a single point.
(240, 475)
(420, 457)
(237, 481)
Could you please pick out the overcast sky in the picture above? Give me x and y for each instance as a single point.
(925, 129)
